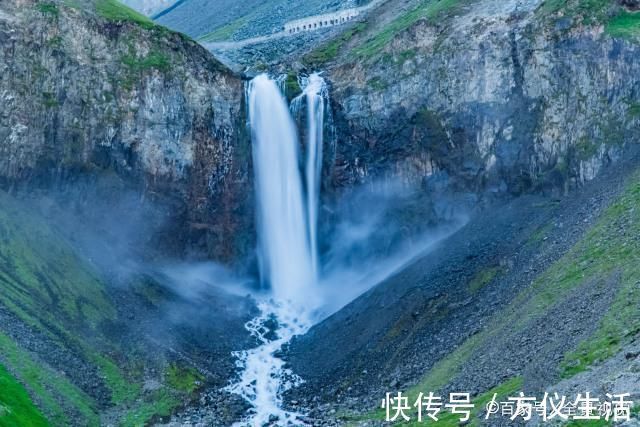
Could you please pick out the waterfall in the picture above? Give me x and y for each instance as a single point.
(315, 93)
(287, 242)
(285, 252)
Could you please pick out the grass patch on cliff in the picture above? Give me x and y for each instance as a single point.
(588, 9)
(633, 109)
(16, 407)
(625, 25)
(330, 50)
(113, 10)
(292, 86)
(618, 22)
(48, 9)
(155, 60)
(136, 66)
(585, 12)
(429, 9)
(377, 84)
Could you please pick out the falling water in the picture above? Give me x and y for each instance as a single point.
(315, 93)
(287, 244)
(285, 253)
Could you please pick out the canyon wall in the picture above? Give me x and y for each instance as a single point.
(491, 98)
(102, 101)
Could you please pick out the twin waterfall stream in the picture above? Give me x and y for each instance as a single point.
(287, 215)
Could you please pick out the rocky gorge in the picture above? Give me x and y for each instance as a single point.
(126, 157)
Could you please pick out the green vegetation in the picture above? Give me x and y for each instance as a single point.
(225, 32)
(49, 100)
(55, 42)
(330, 50)
(625, 25)
(429, 9)
(136, 66)
(154, 60)
(73, 4)
(590, 11)
(16, 407)
(539, 235)
(586, 148)
(618, 22)
(377, 83)
(589, 423)
(291, 86)
(483, 278)
(634, 109)
(608, 249)
(47, 8)
(180, 383)
(45, 284)
(158, 404)
(113, 10)
(122, 390)
(185, 379)
(47, 386)
(406, 55)
(41, 277)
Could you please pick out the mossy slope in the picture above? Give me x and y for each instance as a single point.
(48, 289)
(16, 407)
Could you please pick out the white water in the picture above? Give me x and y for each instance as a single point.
(287, 223)
(315, 92)
(264, 377)
(284, 249)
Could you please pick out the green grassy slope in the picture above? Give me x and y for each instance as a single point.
(611, 246)
(16, 407)
(49, 288)
(42, 278)
(45, 285)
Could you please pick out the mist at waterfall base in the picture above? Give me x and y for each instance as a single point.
(304, 274)
(361, 242)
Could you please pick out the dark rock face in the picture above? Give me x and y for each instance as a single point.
(631, 4)
(129, 106)
(510, 102)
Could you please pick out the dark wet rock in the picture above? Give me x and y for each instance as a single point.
(376, 344)
(631, 4)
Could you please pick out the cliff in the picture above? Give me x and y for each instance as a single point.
(484, 98)
(97, 92)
